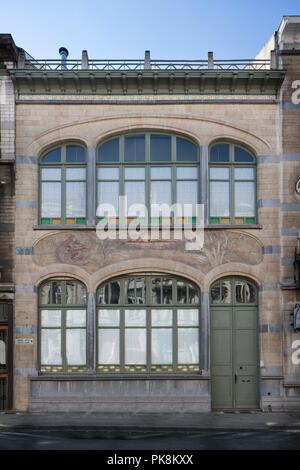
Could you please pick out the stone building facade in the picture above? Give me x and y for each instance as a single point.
(228, 341)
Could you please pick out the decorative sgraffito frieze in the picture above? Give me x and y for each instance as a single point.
(87, 251)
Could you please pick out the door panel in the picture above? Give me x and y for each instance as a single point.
(5, 356)
(234, 357)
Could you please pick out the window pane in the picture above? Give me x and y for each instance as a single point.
(56, 293)
(51, 174)
(135, 291)
(76, 346)
(115, 291)
(109, 317)
(193, 294)
(181, 292)
(188, 317)
(135, 192)
(135, 317)
(51, 200)
(135, 148)
(188, 346)
(245, 292)
(54, 156)
(156, 290)
(51, 347)
(135, 346)
(45, 294)
(241, 155)
(50, 318)
(161, 346)
(75, 199)
(221, 292)
(187, 173)
(108, 193)
(160, 148)
(161, 192)
(75, 293)
(244, 199)
(76, 317)
(167, 291)
(109, 346)
(161, 317)
(75, 154)
(109, 151)
(187, 192)
(244, 173)
(134, 173)
(108, 173)
(219, 153)
(219, 199)
(219, 173)
(186, 150)
(75, 174)
(161, 173)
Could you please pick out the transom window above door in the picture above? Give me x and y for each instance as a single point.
(63, 186)
(148, 324)
(148, 169)
(232, 180)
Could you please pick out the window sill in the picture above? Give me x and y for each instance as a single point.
(64, 227)
(118, 376)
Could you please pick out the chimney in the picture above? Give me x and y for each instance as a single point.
(63, 57)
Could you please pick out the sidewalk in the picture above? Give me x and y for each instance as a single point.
(181, 422)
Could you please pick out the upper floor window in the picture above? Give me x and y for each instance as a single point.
(62, 319)
(63, 186)
(148, 323)
(232, 174)
(148, 169)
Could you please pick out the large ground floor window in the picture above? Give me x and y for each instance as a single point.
(144, 324)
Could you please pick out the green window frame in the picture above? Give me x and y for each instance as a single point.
(150, 167)
(148, 324)
(232, 185)
(63, 186)
(62, 326)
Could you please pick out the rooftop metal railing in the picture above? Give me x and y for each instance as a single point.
(140, 65)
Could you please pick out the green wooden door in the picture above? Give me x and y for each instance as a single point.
(234, 356)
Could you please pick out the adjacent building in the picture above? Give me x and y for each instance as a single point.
(92, 323)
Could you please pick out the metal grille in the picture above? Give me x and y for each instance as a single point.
(3, 394)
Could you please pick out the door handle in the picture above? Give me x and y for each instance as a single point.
(235, 378)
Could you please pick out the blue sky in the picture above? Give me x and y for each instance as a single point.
(171, 29)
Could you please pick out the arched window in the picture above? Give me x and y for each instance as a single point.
(63, 186)
(149, 169)
(148, 324)
(232, 175)
(62, 319)
(233, 291)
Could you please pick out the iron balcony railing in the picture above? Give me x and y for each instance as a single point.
(155, 65)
